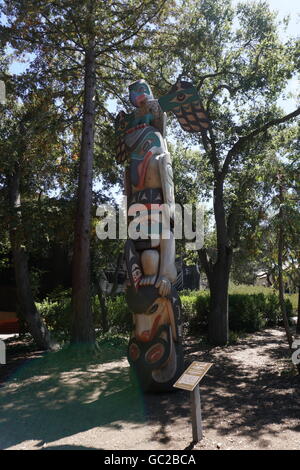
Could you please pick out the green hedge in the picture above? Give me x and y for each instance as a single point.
(195, 308)
(248, 312)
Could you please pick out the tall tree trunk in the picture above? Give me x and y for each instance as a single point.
(218, 326)
(82, 330)
(218, 274)
(28, 310)
(218, 281)
(280, 269)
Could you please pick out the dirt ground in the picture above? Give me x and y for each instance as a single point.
(250, 400)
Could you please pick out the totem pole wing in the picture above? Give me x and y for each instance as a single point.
(183, 100)
(122, 124)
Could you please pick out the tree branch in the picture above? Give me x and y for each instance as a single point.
(215, 91)
(247, 138)
(132, 34)
(206, 264)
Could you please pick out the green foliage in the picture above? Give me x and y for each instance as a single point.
(235, 336)
(113, 340)
(195, 308)
(272, 309)
(245, 289)
(56, 312)
(251, 308)
(294, 298)
(188, 302)
(200, 320)
(246, 312)
(119, 315)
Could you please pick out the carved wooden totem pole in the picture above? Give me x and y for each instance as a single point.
(155, 348)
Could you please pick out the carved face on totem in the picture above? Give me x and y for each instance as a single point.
(139, 93)
(156, 331)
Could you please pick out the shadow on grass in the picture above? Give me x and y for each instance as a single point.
(65, 393)
(62, 394)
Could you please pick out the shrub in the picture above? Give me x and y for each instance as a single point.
(273, 312)
(235, 336)
(294, 300)
(195, 308)
(119, 315)
(249, 309)
(267, 291)
(188, 303)
(246, 312)
(57, 314)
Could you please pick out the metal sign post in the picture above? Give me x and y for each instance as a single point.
(2, 352)
(196, 414)
(189, 381)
